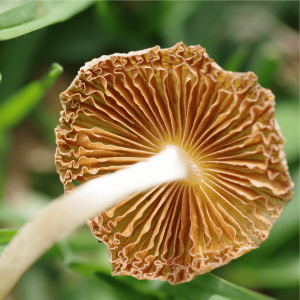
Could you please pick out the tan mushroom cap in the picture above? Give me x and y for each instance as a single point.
(124, 108)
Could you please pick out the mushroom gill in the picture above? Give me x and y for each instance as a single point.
(124, 108)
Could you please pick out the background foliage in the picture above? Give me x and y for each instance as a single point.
(241, 36)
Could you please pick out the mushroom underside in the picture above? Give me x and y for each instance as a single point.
(122, 109)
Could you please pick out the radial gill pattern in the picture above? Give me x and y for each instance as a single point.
(124, 108)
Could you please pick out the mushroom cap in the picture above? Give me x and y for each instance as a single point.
(124, 108)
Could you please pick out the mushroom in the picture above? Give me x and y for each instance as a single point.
(124, 108)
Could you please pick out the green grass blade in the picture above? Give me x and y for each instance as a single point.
(37, 14)
(14, 109)
(122, 288)
(210, 287)
(116, 285)
(203, 287)
(279, 273)
(6, 235)
(19, 15)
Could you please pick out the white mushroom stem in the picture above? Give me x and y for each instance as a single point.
(67, 213)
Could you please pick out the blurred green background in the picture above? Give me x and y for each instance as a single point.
(257, 36)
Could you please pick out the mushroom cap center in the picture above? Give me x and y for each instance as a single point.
(195, 175)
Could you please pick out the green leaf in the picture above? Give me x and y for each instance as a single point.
(6, 5)
(117, 285)
(282, 272)
(210, 287)
(203, 287)
(34, 15)
(121, 288)
(6, 235)
(20, 14)
(14, 109)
